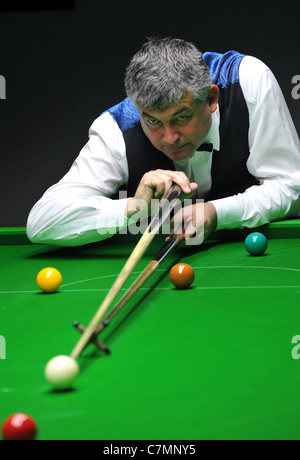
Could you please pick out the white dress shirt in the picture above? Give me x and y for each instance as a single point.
(78, 210)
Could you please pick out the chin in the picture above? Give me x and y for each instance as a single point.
(177, 156)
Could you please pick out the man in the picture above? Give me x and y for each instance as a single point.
(216, 124)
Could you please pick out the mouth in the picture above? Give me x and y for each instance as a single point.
(184, 149)
(177, 149)
(180, 147)
(178, 154)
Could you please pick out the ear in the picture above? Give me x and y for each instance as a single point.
(213, 97)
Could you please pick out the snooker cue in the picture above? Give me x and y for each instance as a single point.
(141, 279)
(165, 208)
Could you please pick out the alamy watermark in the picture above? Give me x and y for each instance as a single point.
(2, 347)
(296, 88)
(296, 349)
(188, 218)
(2, 87)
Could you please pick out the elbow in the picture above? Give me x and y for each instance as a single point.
(32, 229)
(42, 227)
(39, 230)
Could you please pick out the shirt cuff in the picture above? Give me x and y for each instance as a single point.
(229, 213)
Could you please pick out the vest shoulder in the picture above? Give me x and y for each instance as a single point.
(125, 114)
(224, 68)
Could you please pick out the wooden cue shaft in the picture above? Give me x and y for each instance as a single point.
(115, 289)
(141, 279)
(129, 266)
(151, 267)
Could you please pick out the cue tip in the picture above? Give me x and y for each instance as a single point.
(105, 322)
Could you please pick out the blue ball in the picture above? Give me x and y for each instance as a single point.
(256, 244)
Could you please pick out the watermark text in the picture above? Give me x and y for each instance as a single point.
(2, 87)
(296, 350)
(296, 88)
(2, 347)
(186, 219)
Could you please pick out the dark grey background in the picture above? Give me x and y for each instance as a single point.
(63, 67)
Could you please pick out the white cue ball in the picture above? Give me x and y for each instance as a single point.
(61, 372)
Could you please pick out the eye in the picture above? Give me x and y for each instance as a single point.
(183, 118)
(152, 121)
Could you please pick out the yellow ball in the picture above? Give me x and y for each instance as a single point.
(49, 279)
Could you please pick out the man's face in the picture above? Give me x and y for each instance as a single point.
(180, 129)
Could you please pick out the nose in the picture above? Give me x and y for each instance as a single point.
(170, 135)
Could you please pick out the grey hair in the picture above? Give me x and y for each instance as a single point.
(163, 71)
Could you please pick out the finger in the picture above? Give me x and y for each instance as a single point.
(180, 178)
(163, 186)
(190, 230)
(157, 181)
(177, 224)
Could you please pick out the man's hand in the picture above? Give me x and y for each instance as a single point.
(156, 184)
(195, 222)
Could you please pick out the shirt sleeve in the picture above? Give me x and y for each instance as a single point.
(274, 155)
(77, 210)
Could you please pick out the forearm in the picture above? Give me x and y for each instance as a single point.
(274, 155)
(77, 209)
(65, 219)
(258, 205)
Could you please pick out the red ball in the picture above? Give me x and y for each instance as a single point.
(19, 427)
(182, 275)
